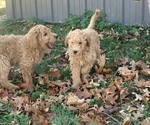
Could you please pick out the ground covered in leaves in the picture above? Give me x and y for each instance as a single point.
(117, 94)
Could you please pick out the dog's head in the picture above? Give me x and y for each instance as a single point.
(77, 42)
(42, 37)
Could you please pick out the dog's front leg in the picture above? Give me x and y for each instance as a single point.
(85, 72)
(75, 70)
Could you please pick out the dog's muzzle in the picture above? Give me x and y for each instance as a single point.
(75, 51)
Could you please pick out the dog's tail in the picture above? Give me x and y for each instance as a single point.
(93, 19)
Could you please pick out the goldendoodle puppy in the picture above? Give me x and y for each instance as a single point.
(24, 51)
(83, 50)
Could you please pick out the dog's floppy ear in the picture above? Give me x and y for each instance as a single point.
(35, 31)
(33, 35)
(87, 39)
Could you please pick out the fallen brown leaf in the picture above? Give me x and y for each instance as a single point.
(146, 72)
(84, 93)
(55, 73)
(73, 99)
(126, 121)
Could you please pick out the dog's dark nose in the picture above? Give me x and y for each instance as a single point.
(56, 36)
(75, 51)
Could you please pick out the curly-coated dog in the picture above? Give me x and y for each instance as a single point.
(83, 50)
(24, 51)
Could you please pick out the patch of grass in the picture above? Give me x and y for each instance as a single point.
(133, 50)
(104, 84)
(146, 112)
(65, 74)
(95, 102)
(35, 94)
(17, 79)
(64, 116)
(129, 85)
(18, 27)
(43, 66)
(7, 117)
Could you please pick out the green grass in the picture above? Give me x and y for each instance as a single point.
(64, 116)
(129, 49)
(18, 27)
(8, 117)
(147, 112)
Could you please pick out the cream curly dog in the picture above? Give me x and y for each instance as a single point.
(83, 50)
(24, 51)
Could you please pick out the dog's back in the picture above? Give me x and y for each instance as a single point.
(10, 46)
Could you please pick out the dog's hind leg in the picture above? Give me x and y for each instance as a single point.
(4, 71)
(27, 77)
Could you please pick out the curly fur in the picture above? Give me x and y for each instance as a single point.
(83, 50)
(24, 51)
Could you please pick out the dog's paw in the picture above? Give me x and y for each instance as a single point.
(73, 90)
(11, 86)
(75, 86)
(26, 86)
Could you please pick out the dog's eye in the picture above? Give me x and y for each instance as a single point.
(80, 42)
(45, 34)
